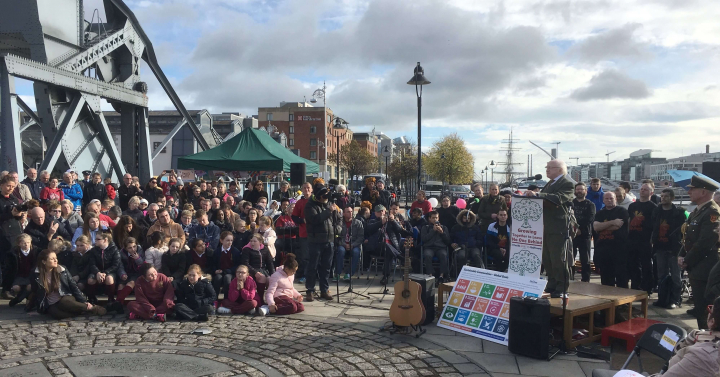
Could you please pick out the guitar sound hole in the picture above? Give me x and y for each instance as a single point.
(406, 294)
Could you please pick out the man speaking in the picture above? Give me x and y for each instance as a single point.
(557, 193)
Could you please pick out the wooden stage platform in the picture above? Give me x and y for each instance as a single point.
(584, 300)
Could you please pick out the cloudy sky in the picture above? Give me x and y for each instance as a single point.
(595, 75)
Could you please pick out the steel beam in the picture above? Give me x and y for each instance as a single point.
(169, 138)
(32, 70)
(27, 110)
(10, 144)
(145, 167)
(109, 144)
(128, 138)
(55, 149)
(85, 59)
(27, 125)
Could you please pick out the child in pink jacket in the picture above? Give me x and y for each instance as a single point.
(281, 296)
(241, 295)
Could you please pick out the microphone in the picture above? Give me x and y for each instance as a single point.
(538, 176)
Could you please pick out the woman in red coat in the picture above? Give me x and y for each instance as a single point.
(153, 295)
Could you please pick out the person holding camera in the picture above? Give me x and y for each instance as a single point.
(320, 217)
(12, 215)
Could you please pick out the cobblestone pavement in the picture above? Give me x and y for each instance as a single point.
(241, 345)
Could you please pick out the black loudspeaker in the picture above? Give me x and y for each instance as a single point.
(297, 173)
(529, 333)
(427, 295)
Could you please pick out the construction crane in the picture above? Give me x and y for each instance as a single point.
(577, 162)
(608, 156)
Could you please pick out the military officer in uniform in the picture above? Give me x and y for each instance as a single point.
(557, 193)
(700, 252)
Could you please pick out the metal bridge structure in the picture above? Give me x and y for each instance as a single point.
(74, 64)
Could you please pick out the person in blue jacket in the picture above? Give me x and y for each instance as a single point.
(595, 194)
(71, 190)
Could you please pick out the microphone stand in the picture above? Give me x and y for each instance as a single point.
(562, 347)
(385, 291)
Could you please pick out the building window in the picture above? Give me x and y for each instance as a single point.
(313, 129)
(313, 142)
(291, 142)
(156, 144)
(313, 155)
(269, 116)
(292, 117)
(292, 128)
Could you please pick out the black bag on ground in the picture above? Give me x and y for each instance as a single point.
(665, 293)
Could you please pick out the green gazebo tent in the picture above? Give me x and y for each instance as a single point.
(250, 150)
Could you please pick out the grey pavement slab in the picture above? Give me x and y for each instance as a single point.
(459, 342)
(554, 368)
(29, 370)
(494, 362)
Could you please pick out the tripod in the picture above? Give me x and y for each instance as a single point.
(385, 291)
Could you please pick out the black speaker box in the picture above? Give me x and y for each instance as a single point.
(297, 173)
(529, 333)
(427, 295)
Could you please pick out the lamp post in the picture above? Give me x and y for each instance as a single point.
(386, 152)
(487, 179)
(442, 157)
(492, 170)
(419, 80)
(322, 92)
(340, 124)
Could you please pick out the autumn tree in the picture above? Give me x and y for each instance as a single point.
(356, 160)
(456, 167)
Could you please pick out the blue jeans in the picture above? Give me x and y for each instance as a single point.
(340, 259)
(318, 266)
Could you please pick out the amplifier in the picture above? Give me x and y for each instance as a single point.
(529, 333)
(427, 295)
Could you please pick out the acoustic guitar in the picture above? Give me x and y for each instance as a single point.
(407, 309)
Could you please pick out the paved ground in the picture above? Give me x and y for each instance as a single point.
(328, 339)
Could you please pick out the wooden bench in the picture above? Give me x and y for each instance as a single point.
(577, 306)
(619, 296)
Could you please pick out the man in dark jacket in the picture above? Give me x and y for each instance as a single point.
(667, 219)
(387, 232)
(585, 215)
(94, 189)
(321, 219)
(384, 196)
(10, 218)
(467, 240)
(435, 240)
(640, 241)
(126, 191)
(43, 229)
(448, 213)
(490, 206)
(205, 230)
(33, 184)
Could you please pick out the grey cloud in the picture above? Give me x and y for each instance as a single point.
(611, 84)
(613, 43)
(466, 60)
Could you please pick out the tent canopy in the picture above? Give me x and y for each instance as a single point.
(250, 150)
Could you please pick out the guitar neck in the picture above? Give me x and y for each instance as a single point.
(408, 266)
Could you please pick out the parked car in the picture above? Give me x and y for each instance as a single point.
(433, 189)
(458, 192)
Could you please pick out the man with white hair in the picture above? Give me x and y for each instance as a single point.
(558, 193)
(43, 229)
(33, 184)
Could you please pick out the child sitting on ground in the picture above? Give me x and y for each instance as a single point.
(195, 296)
(242, 297)
(174, 262)
(154, 253)
(281, 296)
(19, 266)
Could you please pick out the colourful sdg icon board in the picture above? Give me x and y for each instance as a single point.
(480, 308)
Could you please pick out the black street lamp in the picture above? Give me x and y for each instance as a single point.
(442, 157)
(340, 124)
(419, 80)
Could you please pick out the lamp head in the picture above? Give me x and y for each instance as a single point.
(418, 77)
(313, 100)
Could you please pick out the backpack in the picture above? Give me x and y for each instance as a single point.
(665, 293)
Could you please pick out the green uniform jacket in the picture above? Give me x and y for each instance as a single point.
(700, 242)
(556, 195)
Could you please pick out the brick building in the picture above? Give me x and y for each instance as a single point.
(310, 132)
(368, 141)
